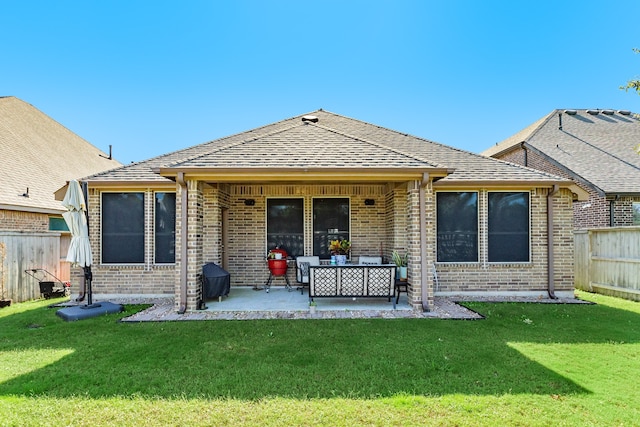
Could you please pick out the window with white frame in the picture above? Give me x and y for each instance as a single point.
(457, 226)
(165, 228)
(123, 228)
(508, 227)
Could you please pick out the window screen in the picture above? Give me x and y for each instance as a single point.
(123, 228)
(285, 225)
(165, 228)
(457, 226)
(508, 227)
(330, 222)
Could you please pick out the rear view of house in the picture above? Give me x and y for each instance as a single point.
(479, 225)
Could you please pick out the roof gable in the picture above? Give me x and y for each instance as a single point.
(597, 147)
(332, 142)
(305, 145)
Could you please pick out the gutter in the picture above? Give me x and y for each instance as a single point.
(550, 251)
(183, 242)
(33, 209)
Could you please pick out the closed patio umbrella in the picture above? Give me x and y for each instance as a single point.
(76, 218)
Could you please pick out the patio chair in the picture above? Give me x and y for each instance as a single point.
(302, 270)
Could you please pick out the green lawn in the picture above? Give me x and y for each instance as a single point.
(525, 364)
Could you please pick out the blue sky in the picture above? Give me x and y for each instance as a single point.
(151, 77)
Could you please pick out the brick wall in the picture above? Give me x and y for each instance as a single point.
(392, 222)
(514, 277)
(141, 279)
(23, 221)
(623, 211)
(247, 225)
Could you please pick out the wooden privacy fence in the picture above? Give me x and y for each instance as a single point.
(23, 251)
(607, 261)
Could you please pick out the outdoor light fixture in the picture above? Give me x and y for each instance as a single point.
(369, 202)
(249, 202)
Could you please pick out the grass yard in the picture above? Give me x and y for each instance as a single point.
(525, 364)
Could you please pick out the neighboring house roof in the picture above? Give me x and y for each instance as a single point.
(321, 142)
(596, 149)
(40, 155)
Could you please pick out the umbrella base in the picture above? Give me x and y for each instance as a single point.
(80, 312)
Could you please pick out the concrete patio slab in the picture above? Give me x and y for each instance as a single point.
(245, 303)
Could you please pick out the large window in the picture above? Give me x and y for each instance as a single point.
(165, 228)
(330, 222)
(122, 228)
(457, 226)
(508, 226)
(285, 225)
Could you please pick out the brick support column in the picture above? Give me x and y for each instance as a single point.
(195, 258)
(194, 239)
(418, 230)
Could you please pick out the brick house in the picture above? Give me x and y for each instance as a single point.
(480, 223)
(39, 155)
(597, 149)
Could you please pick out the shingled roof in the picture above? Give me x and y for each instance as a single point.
(597, 147)
(321, 141)
(41, 155)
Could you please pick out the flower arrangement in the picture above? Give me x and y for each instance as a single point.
(340, 247)
(276, 253)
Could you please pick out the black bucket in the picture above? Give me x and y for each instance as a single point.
(46, 288)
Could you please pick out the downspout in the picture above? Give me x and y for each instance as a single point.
(183, 242)
(423, 242)
(550, 251)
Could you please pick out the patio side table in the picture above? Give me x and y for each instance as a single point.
(401, 286)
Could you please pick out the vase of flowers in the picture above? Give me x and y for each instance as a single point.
(341, 249)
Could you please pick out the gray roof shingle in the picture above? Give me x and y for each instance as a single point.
(334, 141)
(599, 149)
(40, 154)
